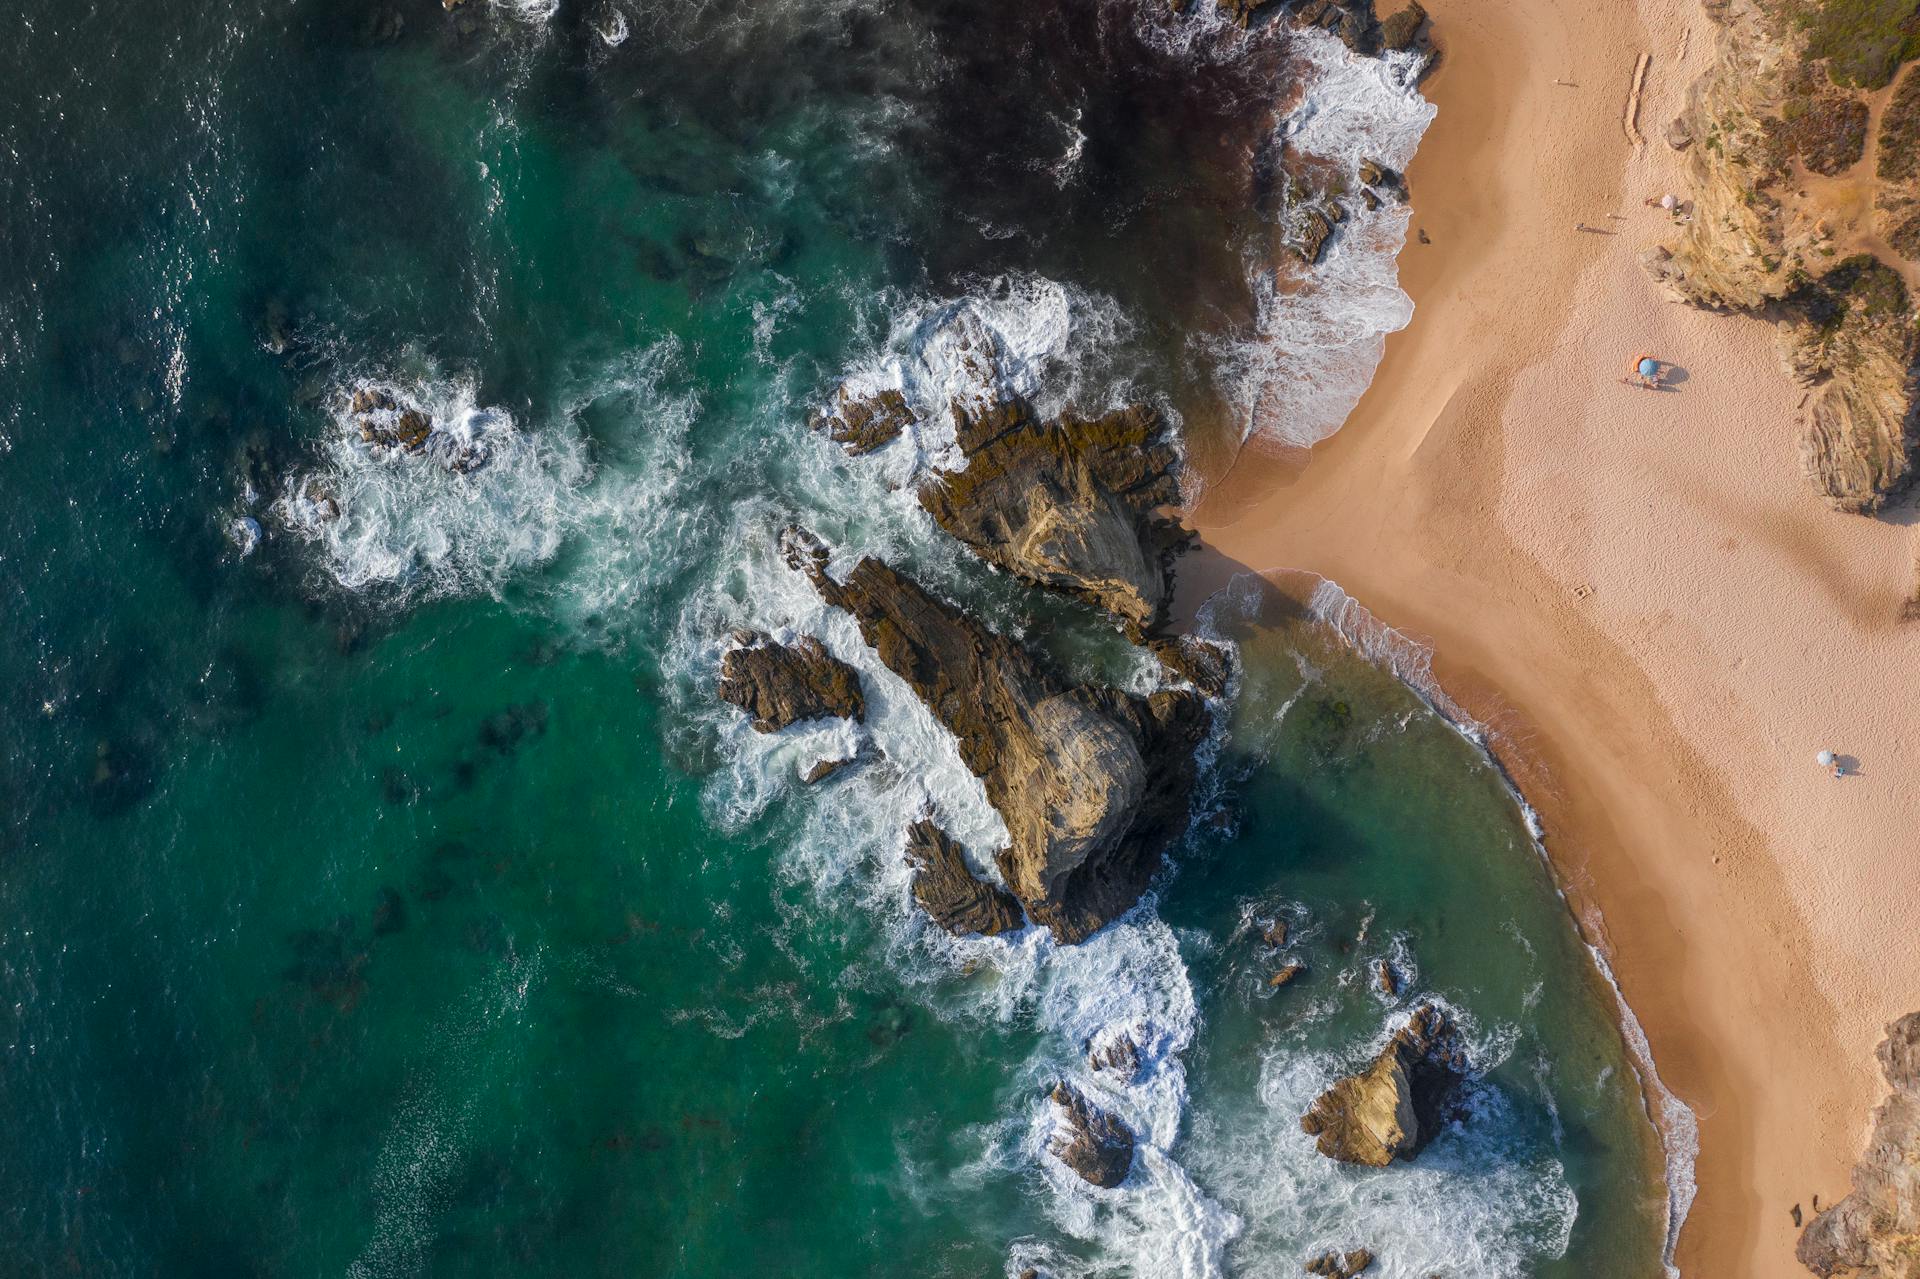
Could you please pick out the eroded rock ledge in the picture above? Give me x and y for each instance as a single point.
(1874, 1233)
(949, 891)
(1092, 782)
(1394, 1107)
(781, 684)
(1846, 326)
(1072, 505)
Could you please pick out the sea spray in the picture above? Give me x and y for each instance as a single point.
(1320, 331)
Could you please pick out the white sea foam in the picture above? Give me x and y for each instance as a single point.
(415, 527)
(1318, 340)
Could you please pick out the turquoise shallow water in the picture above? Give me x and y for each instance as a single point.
(396, 899)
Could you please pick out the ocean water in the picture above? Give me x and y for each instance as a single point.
(387, 894)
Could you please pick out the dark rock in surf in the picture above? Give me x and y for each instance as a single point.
(1092, 1142)
(1340, 1265)
(1394, 1107)
(1071, 505)
(1206, 666)
(1093, 782)
(864, 423)
(1313, 227)
(1118, 1056)
(782, 684)
(949, 891)
(821, 770)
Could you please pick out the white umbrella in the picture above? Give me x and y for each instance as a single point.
(1825, 758)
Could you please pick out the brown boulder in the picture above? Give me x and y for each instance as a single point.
(948, 890)
(1091, 1142)
(782, 684)
(1395, 1106)
(1400, 31)
(1093, 782)
(1874, 1233)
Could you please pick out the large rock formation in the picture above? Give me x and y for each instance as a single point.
(1092, 782)
(1395, 1106)
(949, 891)
(1091, 1142)
(863, 423)
(1757, 242)
(782, 684)
(1072, 505)
(1874, 1233)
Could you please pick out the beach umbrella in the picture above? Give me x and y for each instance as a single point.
(1825, 758)
(1668, 202)
(1648, 366)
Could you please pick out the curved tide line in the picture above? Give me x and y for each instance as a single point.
(1410, 661)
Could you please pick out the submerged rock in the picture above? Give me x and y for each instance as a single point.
(1093, 782)
(1206, 666)
(782, 684)
(949, 891)
(1395, 1106)
(864, 423)
(389, 426)
(1092, 1142)
(1874, 1233)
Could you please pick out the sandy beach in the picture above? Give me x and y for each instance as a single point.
(1640, 594)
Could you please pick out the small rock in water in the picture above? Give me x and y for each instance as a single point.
(1275, 934)
(1388, 979)
(1092, 1142)
(244, 533)
(1286, 974)
(1336, 1265)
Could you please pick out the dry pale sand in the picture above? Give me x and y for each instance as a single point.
(1642, 596)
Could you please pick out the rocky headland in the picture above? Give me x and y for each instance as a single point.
(1394, 1107)
(1776, 138)
(1874, 1233)
(1092, 782)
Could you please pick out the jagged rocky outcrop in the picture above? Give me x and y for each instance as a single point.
(1765, 110)
(781, 684)
(1071, 505)
(948, 890)
(1874, 1233)
(1095, 1144)
(1092, 782)
(1394, 1107)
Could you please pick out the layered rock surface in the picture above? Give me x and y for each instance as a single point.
(1395, 1106)
(1092, 782)
(949, 891)
(1846, 331)
(1095, 1144)
(1071, 505)
(782, 684)
(1874, 1233)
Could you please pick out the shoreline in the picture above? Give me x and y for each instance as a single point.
(1637, 594)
